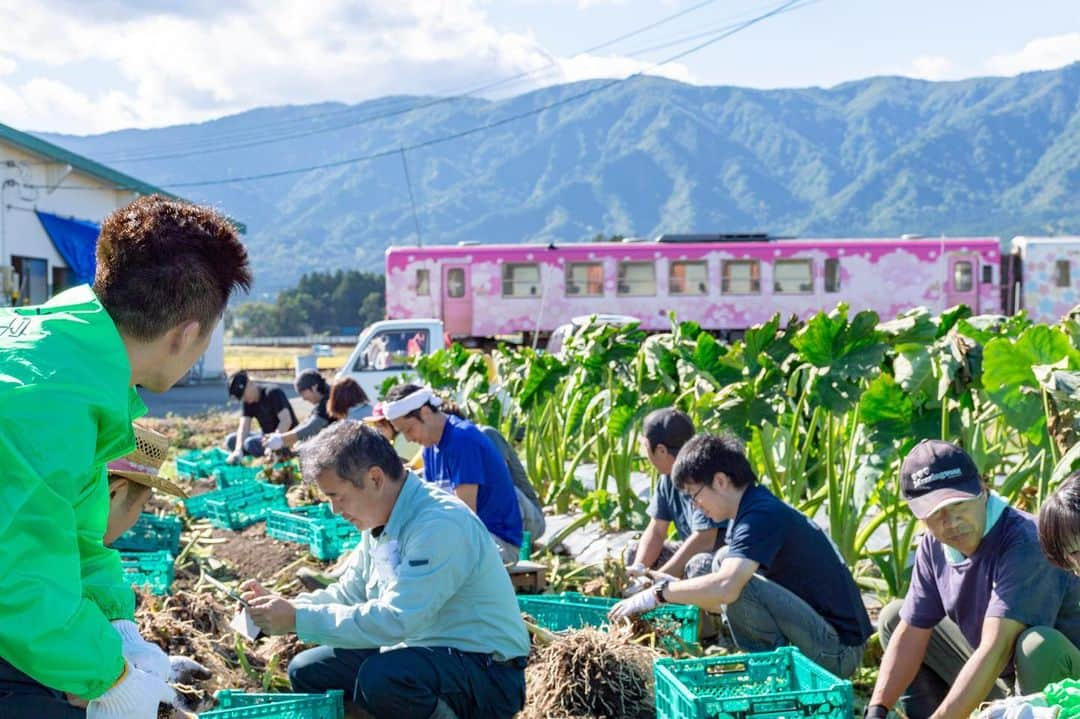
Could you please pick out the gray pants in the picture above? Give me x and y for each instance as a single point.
(532, 516)
(1042, 655)
(767, 616)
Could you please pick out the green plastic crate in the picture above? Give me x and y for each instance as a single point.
(230, 475)
(199, 505)
(245, 504)
(326, 534)
(199, 463)
(234, 704)
(151, 534)
(571, 610)
(153, 570)
(767, 685)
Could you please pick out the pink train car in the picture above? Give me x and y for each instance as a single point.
(723, 283)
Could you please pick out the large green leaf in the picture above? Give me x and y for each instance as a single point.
(1010, 381)
(886, 409)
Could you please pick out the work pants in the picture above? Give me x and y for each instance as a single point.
(24, 698)
(407, 683)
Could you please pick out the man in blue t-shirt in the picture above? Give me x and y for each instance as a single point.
(459, 458)
(985, 608)
(779, 581)
(663, 433)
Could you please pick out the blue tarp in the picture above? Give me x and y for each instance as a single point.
(76, 241)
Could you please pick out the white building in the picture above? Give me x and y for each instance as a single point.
(52, 202)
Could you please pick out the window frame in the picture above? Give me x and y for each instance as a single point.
(569, 281)
(755, 282)
(831, 275)
(507, 275)
(447, 290)
(970, 276)
(621, 281)
(807, 263)
(1062, 273)
(703, 286)
(423, 279)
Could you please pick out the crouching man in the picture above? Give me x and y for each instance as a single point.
(424, 622)
(985, 607)
(779, 581)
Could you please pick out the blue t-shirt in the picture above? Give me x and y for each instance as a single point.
(795, 553)
(1008, 577)
(670, 505)
(464, 455)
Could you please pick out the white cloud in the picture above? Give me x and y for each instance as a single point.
(1043, 53)
(168, 68)
(930, 67)
(7, 65)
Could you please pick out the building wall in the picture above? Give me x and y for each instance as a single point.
(78, 195)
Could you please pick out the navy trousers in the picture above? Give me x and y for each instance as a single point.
(24, 698)
(407, 683)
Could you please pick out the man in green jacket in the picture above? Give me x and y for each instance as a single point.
(68, 372)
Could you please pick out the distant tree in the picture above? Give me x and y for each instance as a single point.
(601, 237)
(321, 303)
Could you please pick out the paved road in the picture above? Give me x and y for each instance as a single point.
(186, 400)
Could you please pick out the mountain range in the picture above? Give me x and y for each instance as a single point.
(881, 156)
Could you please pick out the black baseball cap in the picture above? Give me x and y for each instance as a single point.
(935, 474)
(237, 384)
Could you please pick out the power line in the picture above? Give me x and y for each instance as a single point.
(248, 139)
(789, 5)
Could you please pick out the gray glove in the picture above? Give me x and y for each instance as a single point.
(186, 671)
(136, 696)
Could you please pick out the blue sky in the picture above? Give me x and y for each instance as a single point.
(86, 66)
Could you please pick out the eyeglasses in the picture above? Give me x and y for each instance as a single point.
(694, 496)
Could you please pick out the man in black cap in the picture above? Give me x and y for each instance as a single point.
(267, 405)
(985, 610)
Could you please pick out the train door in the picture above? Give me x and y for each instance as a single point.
(962, 282)
(457, 300)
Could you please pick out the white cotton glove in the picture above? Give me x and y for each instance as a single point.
(140, 653)
(274, 441)
(184, 670)
(637, 569)
(136, 697)
(638, 604)
(636, 585)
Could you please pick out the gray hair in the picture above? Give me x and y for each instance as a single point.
(349, 449)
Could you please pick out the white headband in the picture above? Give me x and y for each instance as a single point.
(410, 403)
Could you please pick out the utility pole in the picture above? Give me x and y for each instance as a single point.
(412, 200)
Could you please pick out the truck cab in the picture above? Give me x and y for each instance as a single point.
(385, 349)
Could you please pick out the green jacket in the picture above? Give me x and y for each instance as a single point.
(68, 403)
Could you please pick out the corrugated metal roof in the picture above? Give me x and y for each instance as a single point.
(85, 164)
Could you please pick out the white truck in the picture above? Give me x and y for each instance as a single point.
(384, 349)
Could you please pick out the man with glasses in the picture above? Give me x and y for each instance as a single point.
(779, 581)
(423, 624)
(985, 610)
(663, 433)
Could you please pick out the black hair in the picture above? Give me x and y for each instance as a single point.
(1059, 522)
(670, 427)
(349, 449)
(705, 455)
(312, 379)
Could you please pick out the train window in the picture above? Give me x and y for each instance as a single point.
(988, 274)
(793, 277)
(962, 280)
(1061, 273)
(585, 279)
(637, 278)
(688, 278)
(423, 282)
(521, 279)
(455, 282)
(741, 277)
(832, 274)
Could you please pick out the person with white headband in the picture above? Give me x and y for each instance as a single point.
(459, 458)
